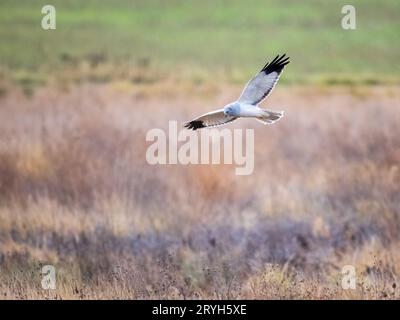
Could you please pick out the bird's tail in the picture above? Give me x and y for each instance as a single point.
(270, 117)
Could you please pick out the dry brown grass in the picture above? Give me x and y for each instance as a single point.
(76, 192)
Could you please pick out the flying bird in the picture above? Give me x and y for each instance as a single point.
(256, 90)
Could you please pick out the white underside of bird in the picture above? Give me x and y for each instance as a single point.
(251, 111)
(247, 106)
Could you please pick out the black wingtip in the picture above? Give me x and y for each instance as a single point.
(194, 125)
(277, 64)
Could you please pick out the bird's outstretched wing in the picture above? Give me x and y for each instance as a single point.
(262, 84)
(210, 119)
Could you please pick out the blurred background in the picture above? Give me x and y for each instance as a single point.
(76, 191)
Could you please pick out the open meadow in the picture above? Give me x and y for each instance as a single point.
(76, 191)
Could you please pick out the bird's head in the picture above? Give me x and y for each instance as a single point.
(230, 110)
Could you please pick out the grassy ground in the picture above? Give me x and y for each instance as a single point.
(197, 39)
(76, 192)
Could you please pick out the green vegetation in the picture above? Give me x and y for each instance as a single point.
(199, 38)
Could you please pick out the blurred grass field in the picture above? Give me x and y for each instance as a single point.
(195, 40)
(76, 190)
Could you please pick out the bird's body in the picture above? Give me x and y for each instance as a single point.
(243, 110)
(247, 106)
